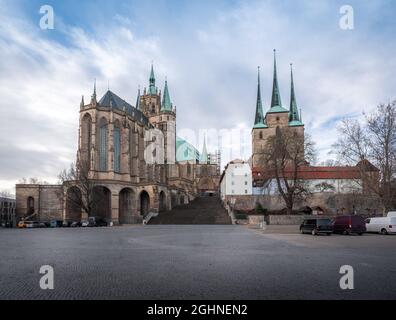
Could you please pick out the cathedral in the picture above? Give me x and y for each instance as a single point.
(134, 158)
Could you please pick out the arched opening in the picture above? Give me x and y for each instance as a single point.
(126, 200)
(101, 203)
(174, 200)
(181, 199)
(30, 205)
(86, 128)
(144, 203)
(162, 201)
(73, 204)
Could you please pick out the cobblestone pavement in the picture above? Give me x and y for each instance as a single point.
(193, 262)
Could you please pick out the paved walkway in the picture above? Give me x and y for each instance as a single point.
(193, 262)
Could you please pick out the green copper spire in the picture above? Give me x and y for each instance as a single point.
(166, 101)
(276, 103)
(259, 121)
(204, 156)
(138, 100)
(294, 118)
(152, 89)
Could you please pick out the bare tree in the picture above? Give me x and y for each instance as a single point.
(372, 142)
(5, 194)
(32, 180)
(325, 187)
(285, 154)
(81, 191)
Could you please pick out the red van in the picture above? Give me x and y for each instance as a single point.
(349, 224)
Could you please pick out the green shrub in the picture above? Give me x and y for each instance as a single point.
(240, 216)
(260, 210)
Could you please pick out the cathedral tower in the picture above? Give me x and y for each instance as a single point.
(276, 117)
(161, 114)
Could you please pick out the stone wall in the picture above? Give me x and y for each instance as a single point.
(285, 219)
(331, 203)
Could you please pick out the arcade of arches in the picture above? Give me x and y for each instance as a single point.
(125, 205)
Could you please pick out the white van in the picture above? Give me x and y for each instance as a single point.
(392, 214)
(385, 225)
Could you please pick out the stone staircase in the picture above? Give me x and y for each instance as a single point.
(203, 210)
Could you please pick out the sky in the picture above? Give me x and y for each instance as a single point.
(207, 50)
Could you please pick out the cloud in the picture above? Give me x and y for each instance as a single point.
(209, 52)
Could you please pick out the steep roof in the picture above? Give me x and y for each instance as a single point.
(294, 117)
(166, 101)
(259, 121)
(112, 101)
(276, 103)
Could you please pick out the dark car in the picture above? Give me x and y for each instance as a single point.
(56, 223)
(349, 224)
(97, 222)
(317, 226)
(75, 224)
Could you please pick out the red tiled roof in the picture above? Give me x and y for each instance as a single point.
(313, 173)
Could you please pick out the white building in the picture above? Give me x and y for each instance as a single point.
(236, 179)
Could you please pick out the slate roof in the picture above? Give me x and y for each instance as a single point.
(112, 101)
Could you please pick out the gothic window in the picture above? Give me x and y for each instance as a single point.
(86, 137)
(103, 145)
(117, 148)
(261, 135)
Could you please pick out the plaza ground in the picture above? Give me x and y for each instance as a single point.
(194, 262)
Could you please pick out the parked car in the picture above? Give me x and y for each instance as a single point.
(84, 223)
(317, 226)
(66, 224)
(383, 225)
(75, 224)
(21, 224)
(56, 223)
(349, 224)
(31, 224)
(97, 222)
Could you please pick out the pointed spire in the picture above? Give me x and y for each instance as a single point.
(276, 99)
(259, 121)
(294, 117)
(152, 89)
(138, 100)
(82, 104)
(204, 156)
(276, 103)
(293, 103)
(93, 99)
(166, 101)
